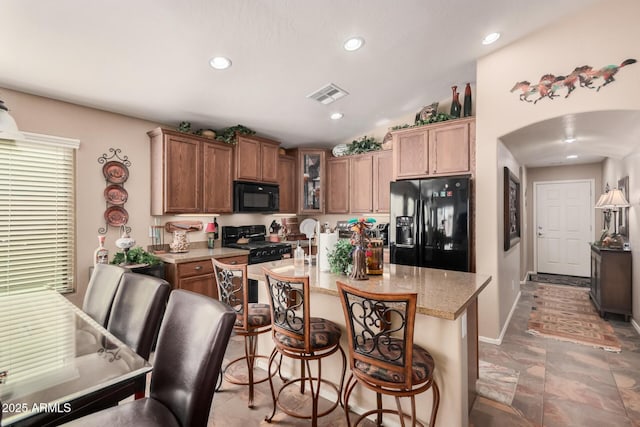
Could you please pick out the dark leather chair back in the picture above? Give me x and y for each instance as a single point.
(137, 311)
(101, 291)
(189, 355)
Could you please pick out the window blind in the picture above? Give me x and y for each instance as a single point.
(37, 213)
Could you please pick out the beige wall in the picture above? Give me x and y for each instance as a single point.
(612, 171)
(602, 34)
(559, 173)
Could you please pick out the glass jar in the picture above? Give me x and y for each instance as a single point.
(375, 257)
(180, 242)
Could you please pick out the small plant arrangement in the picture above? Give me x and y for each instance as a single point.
(340, 257)
(228, 135)
(135, 255)
(363, 145)
(440, 117)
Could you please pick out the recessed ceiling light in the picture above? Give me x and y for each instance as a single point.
(220, 62)
(570, 140)
(354, 43)
(337, 116)
(490, 38)
(572, 156)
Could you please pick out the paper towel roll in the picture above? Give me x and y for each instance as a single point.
(326, 244)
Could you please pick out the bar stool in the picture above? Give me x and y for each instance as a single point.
(299, 336)
(382, 355)
(252, 319)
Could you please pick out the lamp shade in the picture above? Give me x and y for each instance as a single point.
(211, 228)
(601, 200)
(8, 126)
(613, 199)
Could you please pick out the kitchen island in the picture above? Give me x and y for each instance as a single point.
(446, 325)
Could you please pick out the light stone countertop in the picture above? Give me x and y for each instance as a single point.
(441, 293)
(200, 254)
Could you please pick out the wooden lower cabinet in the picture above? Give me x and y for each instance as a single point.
(611, 281)
(197, 276)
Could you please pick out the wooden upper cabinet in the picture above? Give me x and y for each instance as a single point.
(256, 159)
(269, 156)
(411, 154)
(450, 149)
(287, 182)
(382, 177)
(440, 149)
(189, 174)
(362, 183)
(338, 185)
(217, 184)
(311, 181)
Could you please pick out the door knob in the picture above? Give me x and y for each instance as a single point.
(540, 234)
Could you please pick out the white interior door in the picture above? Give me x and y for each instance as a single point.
(564, 221)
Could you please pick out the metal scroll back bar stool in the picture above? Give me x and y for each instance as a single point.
(299, 336)
(382, 355)
(252, 319)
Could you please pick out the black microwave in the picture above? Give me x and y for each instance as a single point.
(254, 197)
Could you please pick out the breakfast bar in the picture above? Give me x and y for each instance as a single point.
(446, 325)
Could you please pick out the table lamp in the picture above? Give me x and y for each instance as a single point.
(614, 200)
(210, 230)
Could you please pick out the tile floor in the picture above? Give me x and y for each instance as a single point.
(563, 384)
(560, 384)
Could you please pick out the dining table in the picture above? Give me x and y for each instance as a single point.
(57, 363)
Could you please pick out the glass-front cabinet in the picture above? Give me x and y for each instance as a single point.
(311, 165)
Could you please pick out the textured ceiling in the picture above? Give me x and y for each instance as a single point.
(149, 58)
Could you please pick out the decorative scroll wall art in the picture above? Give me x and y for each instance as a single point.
(511, 209)
(115, 169)
(584, 76)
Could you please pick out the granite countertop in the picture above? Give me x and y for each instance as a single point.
(441, 293)
(200, 254)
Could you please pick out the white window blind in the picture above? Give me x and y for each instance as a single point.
(37, 209)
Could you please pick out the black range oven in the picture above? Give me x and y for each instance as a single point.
(254, 239)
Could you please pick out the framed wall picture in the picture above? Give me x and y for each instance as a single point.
(623, 215)
(511, 209)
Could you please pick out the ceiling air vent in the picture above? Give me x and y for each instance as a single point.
(328, 94)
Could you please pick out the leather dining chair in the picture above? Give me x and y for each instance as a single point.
(382, 355)
(101, 291)
(137, 311)
(193, 338)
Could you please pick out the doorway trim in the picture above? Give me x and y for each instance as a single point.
(592, 220)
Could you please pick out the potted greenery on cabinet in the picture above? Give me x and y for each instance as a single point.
(140, 261)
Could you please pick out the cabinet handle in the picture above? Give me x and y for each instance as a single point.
(198, 267)
(234, 262)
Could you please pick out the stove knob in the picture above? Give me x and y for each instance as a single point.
(273, 251)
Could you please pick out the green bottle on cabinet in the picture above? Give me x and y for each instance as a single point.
(455, 102)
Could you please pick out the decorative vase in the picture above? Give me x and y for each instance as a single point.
(467, 101)
(455, 102)
(359, 269)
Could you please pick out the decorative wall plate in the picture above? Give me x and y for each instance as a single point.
(339, 150)
(115, 172)
(116, 194)
(116, 216)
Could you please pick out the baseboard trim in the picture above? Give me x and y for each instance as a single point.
(635, 325)
(498, 341)
(527, 277)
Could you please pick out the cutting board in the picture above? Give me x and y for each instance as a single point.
(172, 226)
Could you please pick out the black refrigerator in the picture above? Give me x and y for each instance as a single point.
(429, 224)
